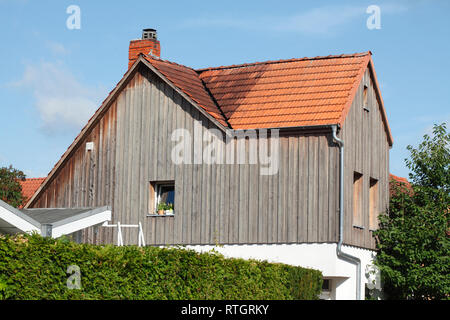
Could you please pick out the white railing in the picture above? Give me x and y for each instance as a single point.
(141, 239)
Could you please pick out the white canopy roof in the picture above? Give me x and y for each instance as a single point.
(52, 222)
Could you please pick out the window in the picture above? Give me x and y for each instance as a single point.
(365, 98)
(374, 206)
(326, 290)
(326, 285)
(162, 197)
(357, 199)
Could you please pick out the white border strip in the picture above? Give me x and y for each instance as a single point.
(77, 225)
(16, 221)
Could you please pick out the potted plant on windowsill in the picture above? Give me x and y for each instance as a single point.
(169, 209)
(161, 208)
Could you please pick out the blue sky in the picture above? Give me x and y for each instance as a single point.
(52, 78)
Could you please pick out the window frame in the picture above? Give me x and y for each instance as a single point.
(357, 206)
(365, 97)
(374, 203)
(155, 196)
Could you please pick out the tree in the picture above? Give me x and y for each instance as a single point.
(10, 188)
(413, 238)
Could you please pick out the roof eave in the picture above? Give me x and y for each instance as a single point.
(103, 108)
(368, 63)
(105, 104)
(300, 128)
(383, 109)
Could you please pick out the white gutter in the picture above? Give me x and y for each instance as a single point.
(342, 255)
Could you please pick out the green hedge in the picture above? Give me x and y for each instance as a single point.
(32, 267)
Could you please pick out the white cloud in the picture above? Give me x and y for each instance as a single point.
(63, 103)
(57, 48)
(322, 20)
(393, 8)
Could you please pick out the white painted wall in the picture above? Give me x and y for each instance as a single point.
(319, 256)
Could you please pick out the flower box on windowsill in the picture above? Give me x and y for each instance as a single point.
(168, 212)
(160, 215)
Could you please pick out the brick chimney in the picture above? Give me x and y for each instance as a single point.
(147, 45)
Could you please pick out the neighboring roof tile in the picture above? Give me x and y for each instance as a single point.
(398, 179)
(29, 186)
(286, 93)
(396, 182)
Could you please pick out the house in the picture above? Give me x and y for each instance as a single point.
(286, 161)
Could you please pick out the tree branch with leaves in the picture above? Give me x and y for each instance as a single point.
(10, 188)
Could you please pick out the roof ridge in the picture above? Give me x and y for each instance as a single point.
(243, 65)
(167, 61)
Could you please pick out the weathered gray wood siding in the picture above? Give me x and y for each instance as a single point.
(366, 152)
(226, 204)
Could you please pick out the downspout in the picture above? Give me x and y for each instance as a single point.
(342, 255)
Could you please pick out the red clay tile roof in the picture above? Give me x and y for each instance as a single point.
(29, 186)
(286, 93)
(273, 94)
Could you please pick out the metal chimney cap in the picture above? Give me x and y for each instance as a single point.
(149, 34)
